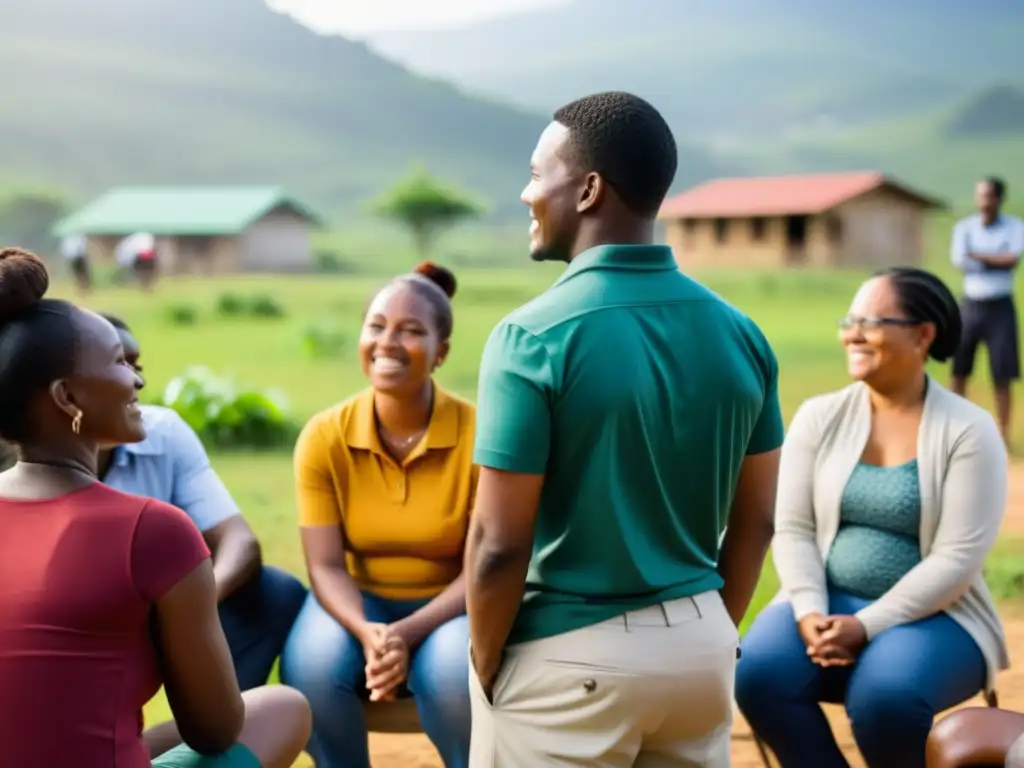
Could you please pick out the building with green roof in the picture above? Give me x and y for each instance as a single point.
(202, 229)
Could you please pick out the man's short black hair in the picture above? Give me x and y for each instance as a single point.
(998, 186)
(628, 142)
(116, 321)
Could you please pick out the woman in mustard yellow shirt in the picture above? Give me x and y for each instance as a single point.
(385, 486)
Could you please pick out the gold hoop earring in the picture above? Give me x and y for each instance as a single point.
(76, 423)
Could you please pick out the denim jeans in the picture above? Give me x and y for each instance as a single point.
(900, 680)
(257, 618)
(326, 663)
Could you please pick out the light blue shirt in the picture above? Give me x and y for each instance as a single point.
(171, 465)
(970, 235)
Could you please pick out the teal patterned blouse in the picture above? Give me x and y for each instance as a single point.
(877, 542)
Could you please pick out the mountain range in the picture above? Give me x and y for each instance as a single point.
(229, 92)
(931, 90)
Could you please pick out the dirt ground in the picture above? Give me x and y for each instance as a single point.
(391, 751)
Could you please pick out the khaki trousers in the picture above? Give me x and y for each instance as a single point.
(648, 689)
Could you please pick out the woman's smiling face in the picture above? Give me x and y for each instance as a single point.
(399, 347)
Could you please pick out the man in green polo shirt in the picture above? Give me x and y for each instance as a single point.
(627, 419)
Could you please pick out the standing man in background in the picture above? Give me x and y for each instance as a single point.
(987, 247)
(626, 418)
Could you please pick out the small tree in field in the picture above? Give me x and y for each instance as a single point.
(426, 208)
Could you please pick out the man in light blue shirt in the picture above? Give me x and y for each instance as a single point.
(258, 604)
(987, 248)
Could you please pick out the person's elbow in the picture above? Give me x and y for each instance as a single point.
(250, 547)
(235, 535)
(757, 522)
(488, 555)
(214, 735)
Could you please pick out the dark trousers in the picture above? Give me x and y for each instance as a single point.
(257, 619)
(994, 324)
(900, 681)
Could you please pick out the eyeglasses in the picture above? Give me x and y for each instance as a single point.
(875, 324)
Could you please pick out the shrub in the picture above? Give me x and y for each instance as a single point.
(230, 305)
(323, 339)
(227, 415)
(265, 305)
(329, 262)
(257, 305)
(182, 314)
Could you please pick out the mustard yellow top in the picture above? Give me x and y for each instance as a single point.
(404, 524)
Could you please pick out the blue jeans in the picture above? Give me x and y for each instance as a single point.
(326, 663)
(900, 680)
(257, 618)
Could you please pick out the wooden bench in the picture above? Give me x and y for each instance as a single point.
(392, 716)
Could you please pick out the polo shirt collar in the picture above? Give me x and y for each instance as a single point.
(628, 258)
(442, 431)
(121, 455)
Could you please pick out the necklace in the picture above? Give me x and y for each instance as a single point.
(403, 442)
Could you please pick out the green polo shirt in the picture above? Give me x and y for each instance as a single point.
(637, 393)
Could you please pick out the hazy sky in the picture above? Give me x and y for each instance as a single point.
(359, 17)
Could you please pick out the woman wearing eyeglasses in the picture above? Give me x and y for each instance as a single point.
(891, 494)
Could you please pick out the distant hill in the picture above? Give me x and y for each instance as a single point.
(918, 149)
(739, 67)
(226, 91)
(993, 112)
(771, 87)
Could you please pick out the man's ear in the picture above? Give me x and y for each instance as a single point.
(591, 193)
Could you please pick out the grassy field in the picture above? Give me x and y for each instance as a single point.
(798, 312)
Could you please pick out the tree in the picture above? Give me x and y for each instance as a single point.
(27, 217)
(426, 208)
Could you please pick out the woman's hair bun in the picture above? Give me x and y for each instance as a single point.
(23, 281)
(442, 277)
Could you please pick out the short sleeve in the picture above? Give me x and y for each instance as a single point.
(1017, 239)
(513, 411)
(196, 488)
(166, 547)
(769, 429)
(317, 496)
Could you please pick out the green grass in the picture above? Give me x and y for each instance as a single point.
(1004, 572)
(796, 310)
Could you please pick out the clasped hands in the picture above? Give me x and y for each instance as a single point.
(387, 660)
(832, 641)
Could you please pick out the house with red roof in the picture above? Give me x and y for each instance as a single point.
(855, 220)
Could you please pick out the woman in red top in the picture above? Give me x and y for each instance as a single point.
(104, 596)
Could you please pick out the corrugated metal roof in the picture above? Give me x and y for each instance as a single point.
(179, 211)
(779, 195)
